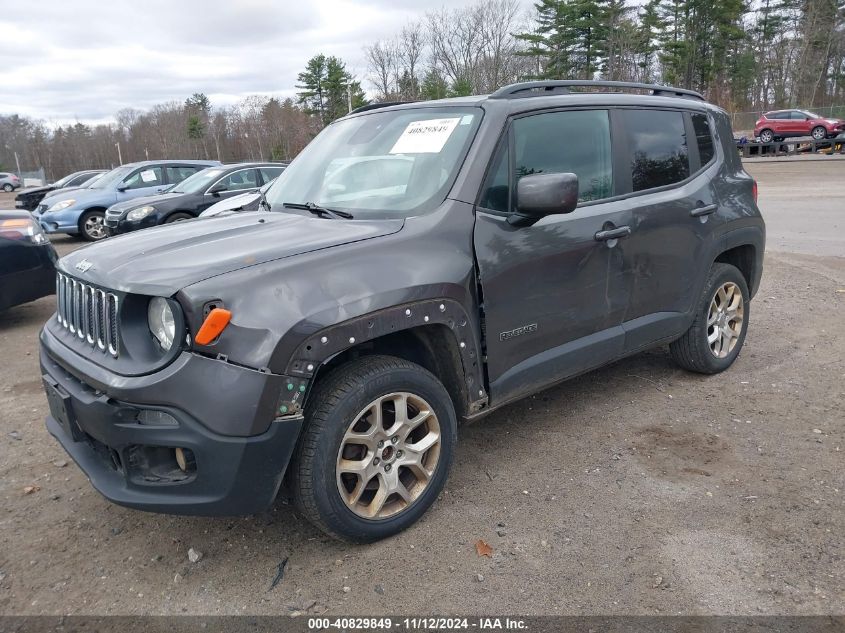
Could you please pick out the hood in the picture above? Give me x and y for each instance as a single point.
(31, 190)
(163, 260)
(230, 203)
(134, 203)
(77, 193)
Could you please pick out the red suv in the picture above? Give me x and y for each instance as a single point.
(779, 124)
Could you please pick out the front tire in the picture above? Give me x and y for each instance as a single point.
(92, 226)
(178, 217)
(715, 337)
(376, 449)
(819, 133)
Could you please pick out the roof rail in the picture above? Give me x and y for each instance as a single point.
(375, 106)
(538, 88)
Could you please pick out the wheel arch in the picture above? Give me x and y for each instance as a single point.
(96, 207)
(436, 334)
(743, 249)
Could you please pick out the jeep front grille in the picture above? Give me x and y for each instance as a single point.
(88, 313)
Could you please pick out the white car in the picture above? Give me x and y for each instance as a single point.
(249, 201)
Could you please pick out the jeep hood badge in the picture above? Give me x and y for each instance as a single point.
(83, 265)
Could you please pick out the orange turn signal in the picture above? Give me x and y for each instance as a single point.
(214, 324)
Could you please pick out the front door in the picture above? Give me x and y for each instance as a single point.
(554, 293)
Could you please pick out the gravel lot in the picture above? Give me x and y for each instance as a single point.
(635, 489)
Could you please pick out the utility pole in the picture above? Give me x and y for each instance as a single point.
(349, 96)
(119, 157)
(147, 153)
(18, 163)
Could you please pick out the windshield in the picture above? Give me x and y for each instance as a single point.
(199, 181)
(385, 164)
(92, 180)
(61, 181)
(112, 177)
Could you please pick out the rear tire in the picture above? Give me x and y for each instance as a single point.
(8, 188)
(715, 338)
(359, 473)
(766, 136)
(178, 217)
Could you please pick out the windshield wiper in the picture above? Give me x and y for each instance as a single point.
(262, 201)
(316, 209)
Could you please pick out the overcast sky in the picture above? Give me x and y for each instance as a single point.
(65, 60)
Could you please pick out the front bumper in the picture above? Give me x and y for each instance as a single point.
(64, 221)
(133, 463)
(119, 226)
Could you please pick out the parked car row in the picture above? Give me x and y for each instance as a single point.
(30, 198)
(97, 203)
(145, 194)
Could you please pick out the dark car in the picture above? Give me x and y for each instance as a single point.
(780, 124)
(191, 197)
(421, 264)
(29, 198)
(27, 260)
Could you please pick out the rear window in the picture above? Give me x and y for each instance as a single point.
(704, 137)
(657, 149)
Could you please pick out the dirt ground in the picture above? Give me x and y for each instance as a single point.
(636, 489)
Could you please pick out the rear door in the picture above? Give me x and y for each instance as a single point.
(553, 294)
(672, 166)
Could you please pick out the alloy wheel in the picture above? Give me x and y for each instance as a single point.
(724, 319)
(766, 136)
(819, 133)
(95, 227)
(388, 455)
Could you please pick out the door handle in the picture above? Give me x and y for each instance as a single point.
(613, 234)
(706, 209)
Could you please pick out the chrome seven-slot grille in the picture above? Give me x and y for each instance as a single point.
(88, 313)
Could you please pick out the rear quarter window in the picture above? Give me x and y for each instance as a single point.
(704, 137)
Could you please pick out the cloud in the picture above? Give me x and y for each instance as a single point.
(88, 59)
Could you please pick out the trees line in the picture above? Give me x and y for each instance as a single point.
(745, 55)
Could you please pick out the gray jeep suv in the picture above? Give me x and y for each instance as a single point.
(421, 264)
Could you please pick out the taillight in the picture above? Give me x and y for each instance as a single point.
(754, 190)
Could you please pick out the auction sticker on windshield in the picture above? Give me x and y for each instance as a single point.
(425, 137)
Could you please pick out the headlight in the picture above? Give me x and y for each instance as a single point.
(140, 213)
(161, 322)
(64, 204)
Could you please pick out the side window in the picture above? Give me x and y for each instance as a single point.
(269, 173)
(706, 149)
(243, 179)
(657, 147)
(576, 141)
(146, 177)
(178, 173)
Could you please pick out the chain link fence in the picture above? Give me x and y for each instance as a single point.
(743, 122)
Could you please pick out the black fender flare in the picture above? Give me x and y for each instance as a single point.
(320, 346)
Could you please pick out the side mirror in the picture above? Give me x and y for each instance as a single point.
(216, 189)
(122, 187)
(539, 195)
